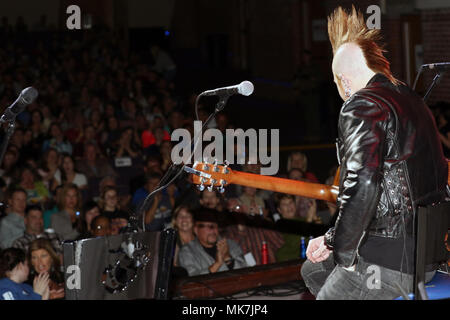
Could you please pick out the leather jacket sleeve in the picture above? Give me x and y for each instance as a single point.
(362, 130)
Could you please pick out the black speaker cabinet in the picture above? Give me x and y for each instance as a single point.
(121, 267)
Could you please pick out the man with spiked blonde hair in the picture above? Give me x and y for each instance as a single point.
(391, 161)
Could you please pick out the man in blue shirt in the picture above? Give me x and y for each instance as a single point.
(159, 212)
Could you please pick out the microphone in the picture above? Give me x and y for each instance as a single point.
(245, 88)
(441, 66)
(26, 97)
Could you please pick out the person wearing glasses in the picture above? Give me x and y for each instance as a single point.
(208, 252)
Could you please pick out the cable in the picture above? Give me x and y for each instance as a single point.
(147, 199)
(144, 207)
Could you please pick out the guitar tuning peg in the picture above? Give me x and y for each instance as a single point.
(211, 186)
(205, 160)
(201, 187)
(225, 167)
(221, 189)
(215, 162)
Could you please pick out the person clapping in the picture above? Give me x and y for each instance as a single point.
(14, 272)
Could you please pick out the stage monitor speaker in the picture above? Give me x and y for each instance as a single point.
(121, 267)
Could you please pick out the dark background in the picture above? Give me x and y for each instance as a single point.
(223, 42)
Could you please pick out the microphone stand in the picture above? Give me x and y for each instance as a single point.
(417, 77)
(164, 183)
(7, 137)
(5, 142)
(436, 80)
(419, 288)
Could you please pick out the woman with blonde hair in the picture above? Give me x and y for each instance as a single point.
(66, 221)
(299, 160)
(43, 259)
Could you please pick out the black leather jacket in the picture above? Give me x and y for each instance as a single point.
(391, 161)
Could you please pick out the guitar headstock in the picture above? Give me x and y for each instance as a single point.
(211, 175)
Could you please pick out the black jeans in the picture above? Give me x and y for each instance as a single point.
(328, 281)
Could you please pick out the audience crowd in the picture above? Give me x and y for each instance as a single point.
(96, 142)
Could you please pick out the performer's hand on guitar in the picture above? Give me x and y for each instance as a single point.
(317, 251)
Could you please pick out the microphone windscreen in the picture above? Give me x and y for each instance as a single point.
(246, 88)
(29, 94)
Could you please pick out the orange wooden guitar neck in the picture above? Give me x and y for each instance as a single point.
(300, 188)
(219, 176)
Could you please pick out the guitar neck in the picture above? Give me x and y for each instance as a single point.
(218, 176)
(298, 188)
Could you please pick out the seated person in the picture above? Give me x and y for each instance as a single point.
(306, 208)
(208, 252)
(8, 166)
(57, 140)
(157, 138)
(290, 250)
(52, 207)
(89, 212)
(211, 200)
(66, 222)
(36, 190)
(249, 237)
(34, 229)
(68, 174)
(12, 226)
(152, 134)
(44, 260)
(49, 168)
(126, 146)
(183, 223)
(92, 165)
(110, 207)
(152, 164)
(159, 212)
(119, 222)
(300, 161)
(14, 271)
(100, 226)
(253, 204)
